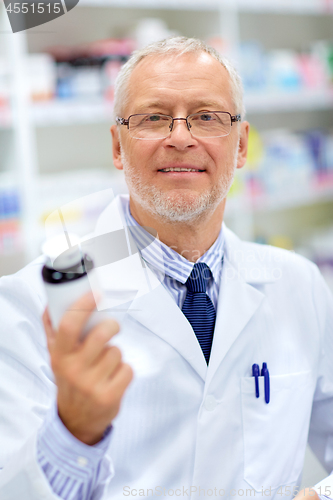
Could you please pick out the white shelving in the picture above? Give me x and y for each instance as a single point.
(294, 199)
(152, 4)
(29, 124)
(6, 119)
(279, 102)
(24, 127)
(69, 112)
(274, 6)
(286, 6)
(77, 111)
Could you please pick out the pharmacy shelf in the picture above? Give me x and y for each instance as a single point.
(320, 192)
(298, 100)
(154, 4)
(293, 200)
(222, 18)
(5, 118)
(286, 6)
(69, 112)
(72, 112)
(96, 185)
(274, 6)
(73, 185)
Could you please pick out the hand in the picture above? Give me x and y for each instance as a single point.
(307, 494)
(90, 375)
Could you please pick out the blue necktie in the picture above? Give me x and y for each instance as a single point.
(198, 308)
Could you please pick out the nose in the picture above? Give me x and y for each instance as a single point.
(180, 137)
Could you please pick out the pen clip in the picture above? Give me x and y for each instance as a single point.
(255, 374)
(265, 374)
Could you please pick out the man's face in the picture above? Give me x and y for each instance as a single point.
(179, 86)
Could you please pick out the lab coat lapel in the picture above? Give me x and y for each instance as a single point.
(129, 285)
(151, 304)
(158, 312)
(238, 300)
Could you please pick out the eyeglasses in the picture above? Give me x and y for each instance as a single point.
(155, 126)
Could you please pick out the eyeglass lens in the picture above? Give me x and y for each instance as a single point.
(156, 126)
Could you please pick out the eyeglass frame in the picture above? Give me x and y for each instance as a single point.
(124, 121)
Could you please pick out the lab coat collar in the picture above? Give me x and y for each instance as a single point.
(244, 268)
(149, 302)
(158, 312)
(252, 262)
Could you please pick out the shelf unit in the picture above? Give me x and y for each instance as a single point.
(79, 111)
(36, 130)
(31, 134)
(293, 6)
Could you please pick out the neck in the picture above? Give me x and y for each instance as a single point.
(190, 239)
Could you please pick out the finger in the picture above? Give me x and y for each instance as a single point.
(72, 323)
(106, 365)
(94, 343)
(50, 333)
(120, 381)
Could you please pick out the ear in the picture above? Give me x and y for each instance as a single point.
(116, 148)
(243, 144)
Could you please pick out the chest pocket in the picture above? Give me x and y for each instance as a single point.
(275, 434)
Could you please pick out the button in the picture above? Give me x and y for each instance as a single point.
(82, 461)
(210, 403)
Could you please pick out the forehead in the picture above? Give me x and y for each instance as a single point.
(190, 79)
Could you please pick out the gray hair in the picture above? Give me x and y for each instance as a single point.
(175, 45)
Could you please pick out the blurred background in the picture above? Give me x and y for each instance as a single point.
(56, 93)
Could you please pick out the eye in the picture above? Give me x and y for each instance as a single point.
(153, 118)
(206, 117)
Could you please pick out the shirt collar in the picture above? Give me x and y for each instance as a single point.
(166, 260)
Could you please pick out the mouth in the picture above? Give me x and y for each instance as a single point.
(181, 169)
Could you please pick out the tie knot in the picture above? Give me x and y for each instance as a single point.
(197, 280)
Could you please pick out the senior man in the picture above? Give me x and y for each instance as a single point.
(230, 347)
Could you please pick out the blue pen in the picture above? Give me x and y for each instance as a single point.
(256, 373)
(265, 374)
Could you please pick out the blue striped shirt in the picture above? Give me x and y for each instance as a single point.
(75, 470)
(164, 260)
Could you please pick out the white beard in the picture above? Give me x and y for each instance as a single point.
(176, 207)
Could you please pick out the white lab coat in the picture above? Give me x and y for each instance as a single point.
(181, 424)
